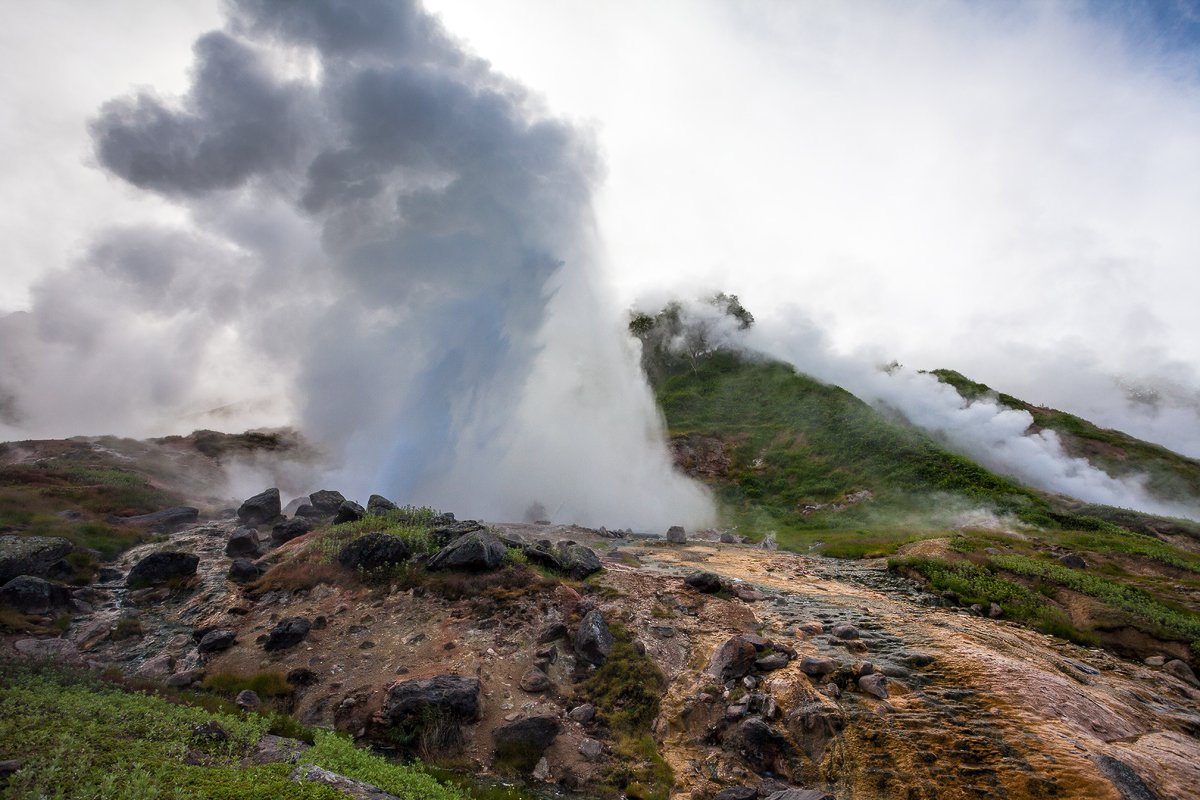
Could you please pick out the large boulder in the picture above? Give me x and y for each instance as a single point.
(243, 570)
(374, 551)
(704, 582)
(733, 659)
(349, 511)
(760, 745)
(32, 595)
(31, 555)
(286, 531)
(676, 535)
(477, 551)
(800, 794)
(451, 698)
(521, 743)
(444, 529)
(166, 520)
(378, 505)
(593, 640)
(243, 543)
(737, 793)
(326, 502)
(578, 561)
(260, 509)
(217, 641)
(162, 567)
(288, 633)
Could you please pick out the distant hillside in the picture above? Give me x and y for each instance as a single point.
(1170, 476)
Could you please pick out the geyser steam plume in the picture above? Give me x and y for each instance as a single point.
(386, 232)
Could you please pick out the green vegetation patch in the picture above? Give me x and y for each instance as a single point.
(81, 738)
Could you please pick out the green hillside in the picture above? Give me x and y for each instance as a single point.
(1170, 476)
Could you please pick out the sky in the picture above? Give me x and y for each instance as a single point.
(1011, 190)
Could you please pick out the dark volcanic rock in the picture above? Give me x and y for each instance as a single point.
(799, 794)
(448, 697)
(732, 660)
(30, 555)
(286, 531)
(288, 633)
(379, 505)
(374, 551)
(705, 582)
(243, 570)
(216, 641)
(813, 726)
(1128, 783)
(33, 595)
(593, 640)
(535, 680)
(243, 542)
(874, 684)
(676, 535)
(772, 662)
(578, 561)
(522, 742)
(736, 793)
(166, 520)
(326, 502)
(349, 788)
(349, 511)
(477, 551)
(447, 530)
(158, 568)
(260, 509)
(759, 744)
(1073, 561)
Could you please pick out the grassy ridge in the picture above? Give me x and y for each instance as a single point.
(793, 441)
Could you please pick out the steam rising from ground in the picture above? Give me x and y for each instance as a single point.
(384, 233)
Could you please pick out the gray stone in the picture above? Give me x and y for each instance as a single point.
(291, 529)
(526, 739)
(583, 714)
(477, 551)
(816, 665)
(535, 680)
(874, 684)
(800, 794)
(247, 699)
(845, 631)
(772, 662)
(378, 505)
(1073, 561)
(162, 567)
(261, 509)
(591, 749)
(288, 633)
(733, 659)
(736, 793)
(243, 543)
(1182, 671)
(676, 535)
(217, 641)
(374, 551)
(578, 561)
(326, 502)
(184, 679)
(347, 787)
(349, 511)
(30, 555)
(593, 640)
(160, 666)
(32, 595)
(243, 570)
(704, 582)
(1155, 661)
(450, 697)
(59, 651)
(729, 538)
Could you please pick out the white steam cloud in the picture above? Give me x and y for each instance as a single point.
(387, 242)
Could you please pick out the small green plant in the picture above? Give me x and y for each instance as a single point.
(264, 684)
(126, 628)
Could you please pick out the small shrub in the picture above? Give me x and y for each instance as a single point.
(126, 628)
(264, 684)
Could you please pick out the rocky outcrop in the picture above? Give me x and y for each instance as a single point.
(761, 746)
(578, 561)
(704, 582)
(477, 551)
(523, 742)
(293, 528)
(447, 530)
(378, 505)
(32, 595)
(31, 555)
(162, 567)
(733, 659)
(288, 633)
(349, 511)
(450, 698)
(326, 502)
(347, 787)
(593, 640)
(261, 509)
(374, 551)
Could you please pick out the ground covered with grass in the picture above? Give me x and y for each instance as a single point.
(81, 738)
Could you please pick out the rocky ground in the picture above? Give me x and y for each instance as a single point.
(782, 672)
